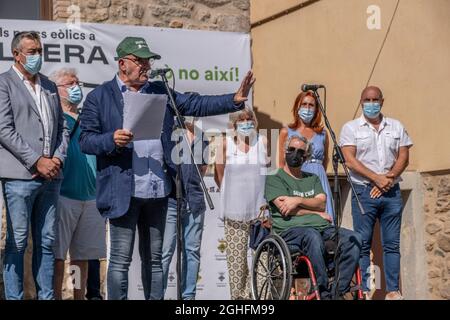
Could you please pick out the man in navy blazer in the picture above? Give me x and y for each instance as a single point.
(134, 178)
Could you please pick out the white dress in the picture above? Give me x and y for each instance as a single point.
(242, 190)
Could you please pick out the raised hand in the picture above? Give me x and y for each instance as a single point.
(242, 94)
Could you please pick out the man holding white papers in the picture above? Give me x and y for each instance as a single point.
(134, 178)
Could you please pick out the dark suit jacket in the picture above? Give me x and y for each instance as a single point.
(102, 115)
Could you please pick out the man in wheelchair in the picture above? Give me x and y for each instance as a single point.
(297, 202)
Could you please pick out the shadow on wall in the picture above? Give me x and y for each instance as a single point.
(265, 121)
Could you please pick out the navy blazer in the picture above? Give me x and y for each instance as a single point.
(102, 115)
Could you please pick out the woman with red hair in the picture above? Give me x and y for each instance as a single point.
(308, 124)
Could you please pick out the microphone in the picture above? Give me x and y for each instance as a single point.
(157, 72)
(313, 87)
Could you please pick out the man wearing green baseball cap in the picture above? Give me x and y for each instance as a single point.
(135, 178)
(135, 59)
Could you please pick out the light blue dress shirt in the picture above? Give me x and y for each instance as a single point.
(150, 178)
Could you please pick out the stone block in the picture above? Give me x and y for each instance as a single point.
(179, 12)
(99, 15)
(91, 4)
(444, 290)
(202, 15)
(434, 273)
(242, 4)
(104, 3)
(433, 228)
(444, 243)
(176, 24)
(213, 3)
(137, 11)
(233, 23)
(157, 10)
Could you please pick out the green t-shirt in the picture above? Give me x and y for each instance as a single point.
(282, 184)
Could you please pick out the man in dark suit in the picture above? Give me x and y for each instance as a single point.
(135, 178)
(33, 144)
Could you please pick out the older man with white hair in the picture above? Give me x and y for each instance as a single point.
(81, 227)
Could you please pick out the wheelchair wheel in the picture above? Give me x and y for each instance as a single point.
(272, 270)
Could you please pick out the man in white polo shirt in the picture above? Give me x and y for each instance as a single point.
(376, 150)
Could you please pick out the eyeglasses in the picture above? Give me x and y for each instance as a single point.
(141, 62)
(70, 84)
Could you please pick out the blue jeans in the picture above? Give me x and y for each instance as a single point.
(388, 209)
(149, 215)
(310, 242)
(30, 202)
(192, 224)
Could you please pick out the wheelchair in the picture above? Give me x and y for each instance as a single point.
(280, 273)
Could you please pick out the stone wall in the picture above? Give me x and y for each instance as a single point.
(437, 228)
(221, 15)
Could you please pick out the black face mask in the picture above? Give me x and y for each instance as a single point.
(294, 157)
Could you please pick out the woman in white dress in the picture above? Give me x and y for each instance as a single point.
(240, 171)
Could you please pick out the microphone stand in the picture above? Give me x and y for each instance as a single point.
(338, 157)
(179, 124)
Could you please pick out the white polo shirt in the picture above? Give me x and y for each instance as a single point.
(377, 150)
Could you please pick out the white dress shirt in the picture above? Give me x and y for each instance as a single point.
(150, 177)
(43, 107)
(376, 150)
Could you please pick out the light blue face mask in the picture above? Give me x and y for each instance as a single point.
(245, 128)
(75, 95)
(33, 63)
(306, 114)
(371, 109)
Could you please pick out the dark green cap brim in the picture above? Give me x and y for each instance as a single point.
(145, 53)
(136, 46)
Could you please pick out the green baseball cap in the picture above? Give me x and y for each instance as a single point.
(137, 47)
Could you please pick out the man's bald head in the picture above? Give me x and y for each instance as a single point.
(371, 93)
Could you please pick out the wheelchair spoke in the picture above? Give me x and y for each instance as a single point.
(262, 289)
(262, 265)
(265, 286)
(278, 265)
(274, 288)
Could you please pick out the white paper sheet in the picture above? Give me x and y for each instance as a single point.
(143, 114)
